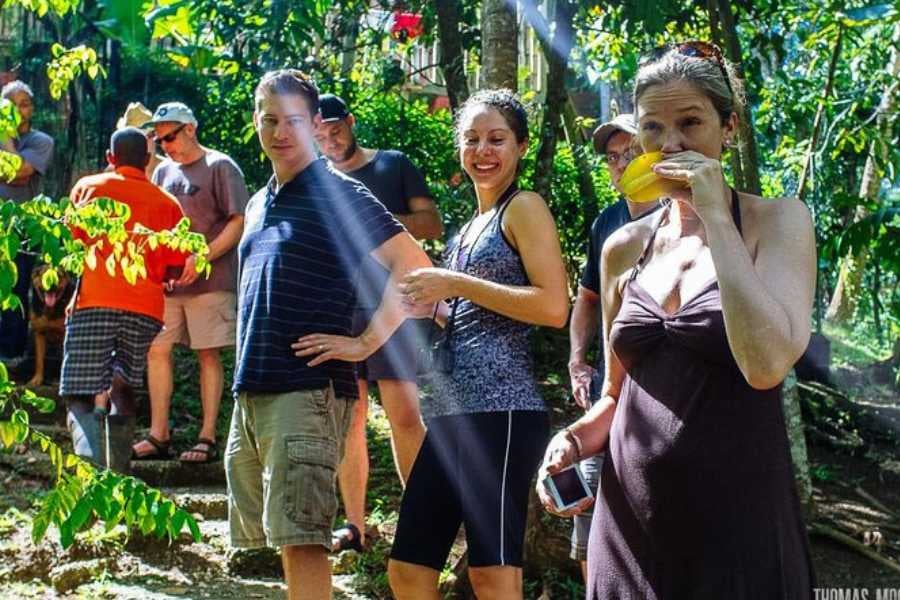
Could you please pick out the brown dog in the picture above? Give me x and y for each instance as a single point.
(47, 316)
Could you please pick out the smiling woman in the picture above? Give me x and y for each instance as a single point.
(705, 309)
(487, 422)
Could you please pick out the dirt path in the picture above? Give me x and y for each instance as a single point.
(117, 566)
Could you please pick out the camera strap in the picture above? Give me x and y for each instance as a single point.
(455, 265)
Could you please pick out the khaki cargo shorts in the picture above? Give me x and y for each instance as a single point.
(200, 321)
(281, 461)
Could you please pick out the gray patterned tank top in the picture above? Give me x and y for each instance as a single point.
(493, 368)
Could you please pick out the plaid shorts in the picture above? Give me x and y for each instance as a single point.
(101, 342)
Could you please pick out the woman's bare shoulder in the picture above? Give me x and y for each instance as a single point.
(623, 248)
(771, 215)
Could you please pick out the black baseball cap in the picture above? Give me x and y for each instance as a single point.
(332, 108)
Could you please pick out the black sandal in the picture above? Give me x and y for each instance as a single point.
(204, 446)
(161, 450)
(340, 541)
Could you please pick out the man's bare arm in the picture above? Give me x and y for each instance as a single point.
(423, 221)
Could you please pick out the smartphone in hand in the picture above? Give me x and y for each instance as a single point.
(567, 488)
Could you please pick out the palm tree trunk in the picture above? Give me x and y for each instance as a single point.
(749, 155)
(499, 44)
(556, 47)
(452, 58)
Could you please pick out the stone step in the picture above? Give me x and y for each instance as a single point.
(211, 502)
(173, 473)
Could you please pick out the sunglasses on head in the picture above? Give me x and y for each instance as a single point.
(170, 137)
(691, 49)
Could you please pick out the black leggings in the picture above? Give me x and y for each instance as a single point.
(475, 469)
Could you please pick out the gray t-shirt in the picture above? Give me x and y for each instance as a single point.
(211, 190)
(36, 148)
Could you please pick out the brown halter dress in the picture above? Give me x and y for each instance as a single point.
(697, 496)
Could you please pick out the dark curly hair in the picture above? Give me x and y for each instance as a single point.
(503, 101)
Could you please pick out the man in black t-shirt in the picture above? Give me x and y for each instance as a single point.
(614, 140)
(400, 186)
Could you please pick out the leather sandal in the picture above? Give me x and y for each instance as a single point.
(161, 450)
(204, 446)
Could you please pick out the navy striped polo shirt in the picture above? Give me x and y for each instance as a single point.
(299, 258)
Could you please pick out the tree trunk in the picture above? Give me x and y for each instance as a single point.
(820, 113)
(350, 31)
(556, 50)
(589, 208)
(749, 155)
(794, 421)
(453, 65)
(499, 45)
(715, 27)
(847, 290)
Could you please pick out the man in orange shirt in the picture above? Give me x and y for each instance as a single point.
(113, 322)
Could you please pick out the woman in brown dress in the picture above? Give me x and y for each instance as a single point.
(706, 308)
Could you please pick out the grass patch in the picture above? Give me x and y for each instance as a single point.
(855, 345)
(553, 584)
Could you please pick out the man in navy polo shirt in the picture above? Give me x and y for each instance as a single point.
(306, 234)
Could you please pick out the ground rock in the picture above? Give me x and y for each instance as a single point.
(67, 577)
(209, 505)
(256, 562)
(345, 562)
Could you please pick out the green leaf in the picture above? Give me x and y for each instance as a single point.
(66, 535)
(177, 522)
(39, 526)
(50, 279)
(80, 513)
(135, 508)
(111, 265)
(147, 524)
(8, 433)
(195, 529)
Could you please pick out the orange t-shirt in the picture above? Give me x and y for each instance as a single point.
(151, 207)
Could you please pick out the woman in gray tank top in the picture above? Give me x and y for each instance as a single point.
(487, 423)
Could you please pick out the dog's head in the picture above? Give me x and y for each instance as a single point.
(61, 292)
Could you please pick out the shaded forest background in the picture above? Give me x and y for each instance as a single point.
(822, 85)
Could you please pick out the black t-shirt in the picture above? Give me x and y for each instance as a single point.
(607, 222)
(394, 180)
(299, 258)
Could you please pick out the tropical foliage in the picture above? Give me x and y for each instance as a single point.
(821, 85)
